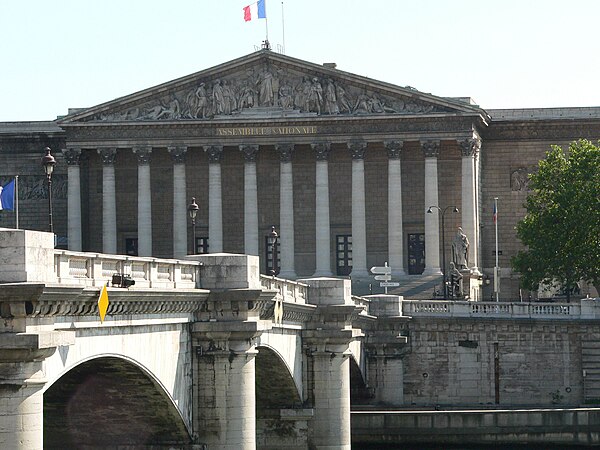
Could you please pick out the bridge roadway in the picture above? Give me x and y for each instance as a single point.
(205, 353)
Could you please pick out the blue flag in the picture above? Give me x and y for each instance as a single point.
(7, 196)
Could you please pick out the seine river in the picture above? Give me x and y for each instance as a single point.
(471, 447)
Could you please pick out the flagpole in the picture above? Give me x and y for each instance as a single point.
(283, 28)
(17, 201)
(496, 268)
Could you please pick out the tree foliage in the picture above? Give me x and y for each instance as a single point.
(561, 229)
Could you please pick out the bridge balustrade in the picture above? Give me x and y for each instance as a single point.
(96, 269)
(288, 291)
(501, 310)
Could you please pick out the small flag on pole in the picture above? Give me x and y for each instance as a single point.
(7, 196)
(256, 10)
(495, 216)
(103, 303)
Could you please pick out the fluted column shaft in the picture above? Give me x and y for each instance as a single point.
(395, 231)
(286, 211)
(431, 150)
(144, 201)
(109, 203)
(179, 201)
(72, 156)
(469, 150)
(250, 200)
(322, 230)
(215, 199)
(359, 224)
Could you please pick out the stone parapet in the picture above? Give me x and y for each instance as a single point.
(384, 305)
(26, 256)
(329, 291)
(222, 271)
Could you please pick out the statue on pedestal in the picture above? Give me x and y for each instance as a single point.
(460, 250)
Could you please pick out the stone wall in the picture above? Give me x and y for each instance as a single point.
(463, 362)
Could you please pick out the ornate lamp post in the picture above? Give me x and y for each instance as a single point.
(48, 162)
(273, 240)
(443, 214)
(193, 211)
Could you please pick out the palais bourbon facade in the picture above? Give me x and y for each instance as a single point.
(345, 168)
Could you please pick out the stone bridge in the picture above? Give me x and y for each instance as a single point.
(205, 353)
(199, 352)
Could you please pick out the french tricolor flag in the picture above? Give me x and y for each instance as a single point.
(256, 10)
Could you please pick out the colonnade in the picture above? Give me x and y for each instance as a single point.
(323, 261)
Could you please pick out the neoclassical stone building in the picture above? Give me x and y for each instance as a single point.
(345, 168)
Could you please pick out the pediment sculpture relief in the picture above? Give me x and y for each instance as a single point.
(268, 90)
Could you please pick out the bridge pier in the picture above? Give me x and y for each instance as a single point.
(224, 384)
(225, 354)
(21, 384)
(327, 348)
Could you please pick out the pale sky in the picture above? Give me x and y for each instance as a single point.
(56, 54)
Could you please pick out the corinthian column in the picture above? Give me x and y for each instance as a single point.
(395, 232)
(215, 199)
(144, 201)
(431, 149)
(469, 150)
(250, 200)
(322, 232)
(359, 224)
(286, 210)
(179, 202)
(72, 155)
(109, 204)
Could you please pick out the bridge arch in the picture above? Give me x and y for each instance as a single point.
(110, 400)
(276, 387)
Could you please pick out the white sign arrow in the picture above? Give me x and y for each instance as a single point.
(386, 277)
(381, 270)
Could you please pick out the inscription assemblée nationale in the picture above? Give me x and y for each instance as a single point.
(266, 131)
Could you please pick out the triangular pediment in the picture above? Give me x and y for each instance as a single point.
(268, 85)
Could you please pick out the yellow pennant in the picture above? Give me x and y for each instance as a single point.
(103, 303)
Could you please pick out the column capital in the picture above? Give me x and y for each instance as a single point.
(394, 148)
(72, 156)
(108, 155)
(322, 149)
(143, 154)
(357, 149)
(431, 149)
(177, 153)
(469, 147)
(250, 152)
(214, 152)
(285, 152)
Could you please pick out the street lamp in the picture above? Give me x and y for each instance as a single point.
(193, 211)
(443, 214)
(48, 162)
(273, 238)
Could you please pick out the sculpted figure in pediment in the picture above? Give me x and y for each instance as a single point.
(331, 106)
(286, 96)
(246, 96)
(266, 83)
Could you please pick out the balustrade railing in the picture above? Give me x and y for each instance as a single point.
(586, 309)
(96, 269)
(288, 291)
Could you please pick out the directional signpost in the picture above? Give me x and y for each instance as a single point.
(384, 274)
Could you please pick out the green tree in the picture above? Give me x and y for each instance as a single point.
(561, 230)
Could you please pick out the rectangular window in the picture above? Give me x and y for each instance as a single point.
(416, 253)
(343, 254)
(131, 246)
(201, 245)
